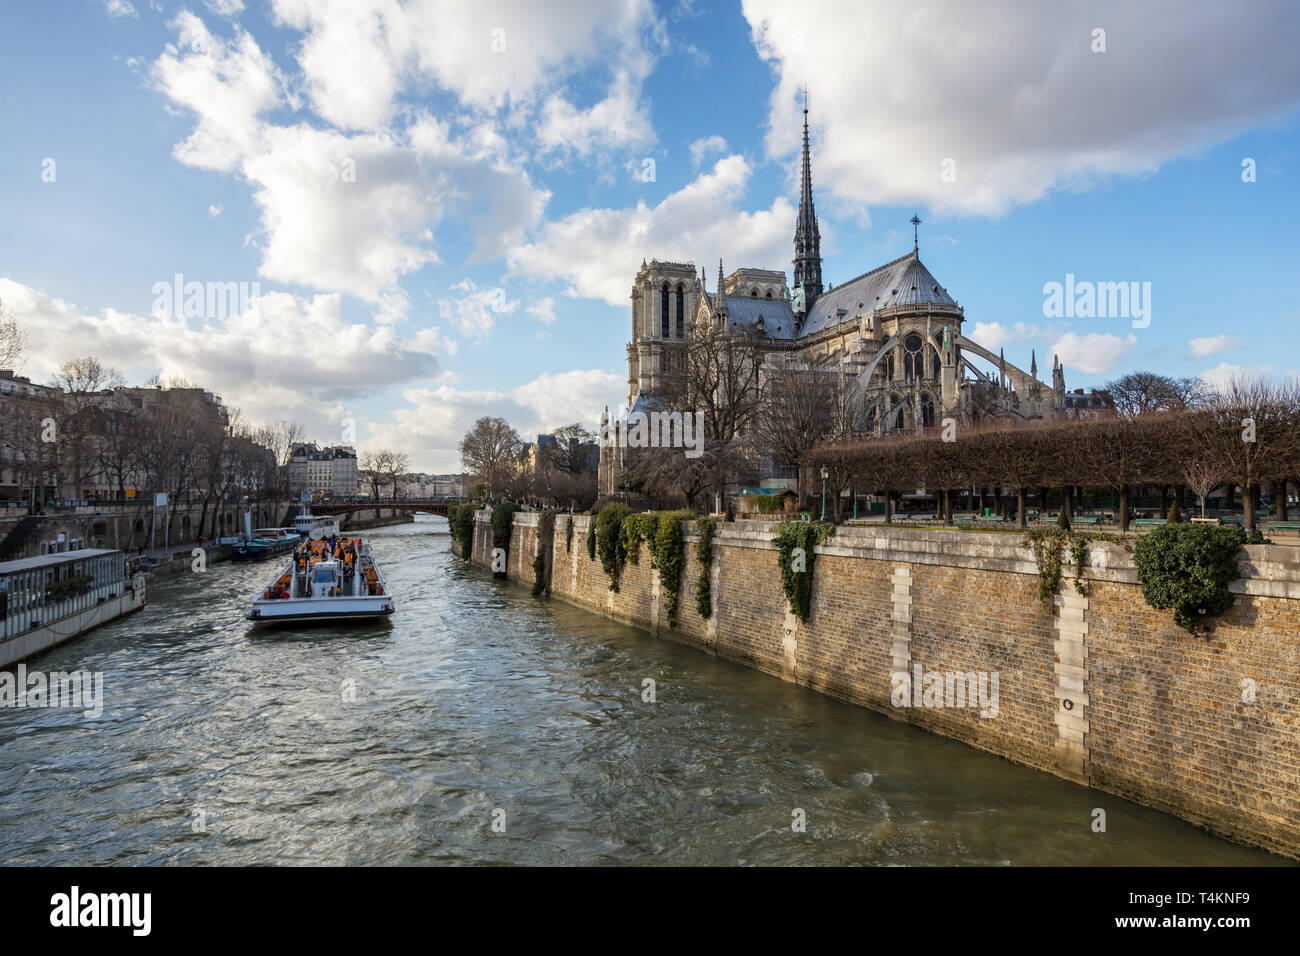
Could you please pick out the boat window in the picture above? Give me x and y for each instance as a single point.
(323, 576)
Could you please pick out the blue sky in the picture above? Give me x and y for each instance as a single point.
(480, 259)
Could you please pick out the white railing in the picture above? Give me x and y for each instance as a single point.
(45, 613)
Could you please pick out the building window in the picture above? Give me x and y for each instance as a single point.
(663, 308)
(912, 367)
(681, 311)
(927, 411)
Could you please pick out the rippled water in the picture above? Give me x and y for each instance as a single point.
(478, 697)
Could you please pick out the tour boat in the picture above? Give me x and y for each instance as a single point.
(316, 526)
(325, 583)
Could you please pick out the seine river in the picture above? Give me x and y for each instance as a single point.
(482, 725)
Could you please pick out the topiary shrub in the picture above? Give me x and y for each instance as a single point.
(795, 539)
(704, 529)
(1188, 567)
(609, 541)
(770, 504)
(1175, 516)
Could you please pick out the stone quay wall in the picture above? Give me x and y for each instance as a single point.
(1102, 690)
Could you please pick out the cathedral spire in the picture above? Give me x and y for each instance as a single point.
(807, 236)
(721, 311)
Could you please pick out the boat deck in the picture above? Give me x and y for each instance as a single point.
(325, 579)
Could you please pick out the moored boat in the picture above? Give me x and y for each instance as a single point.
(263, 543)
(327, 579)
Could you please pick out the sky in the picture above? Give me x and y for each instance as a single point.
(434, 209)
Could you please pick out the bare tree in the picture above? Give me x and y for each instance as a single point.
(398, 464)
(488, 451)
(1249, 429)
(1141, 393)
(374, 467)
(12, 340)
(1203, 474)
(796, 403)
(719, 387)
(85, 383)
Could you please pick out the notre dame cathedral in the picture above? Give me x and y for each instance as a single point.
(894, 333)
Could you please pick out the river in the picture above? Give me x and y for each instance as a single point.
(484, 726)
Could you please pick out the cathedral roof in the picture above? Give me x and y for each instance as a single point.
(746, 310)
(905, 281)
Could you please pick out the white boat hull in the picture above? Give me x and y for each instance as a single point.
(324, 582)
(289, 610)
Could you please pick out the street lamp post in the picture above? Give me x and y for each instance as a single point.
(825, 474)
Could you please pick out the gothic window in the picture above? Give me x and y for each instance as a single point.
(927, 411)
(912, 367)
(937, 365)
(889, 367)
(681, 311)
(769, 293)
(663, 311)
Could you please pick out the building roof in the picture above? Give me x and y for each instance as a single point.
(49, 560)
(905, 281)
(746, 310)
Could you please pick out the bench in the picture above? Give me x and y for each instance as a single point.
(914, 517)
(1149, 522)
(1085, 519)
(1283, 525)
(1213, 521)
(990, 518)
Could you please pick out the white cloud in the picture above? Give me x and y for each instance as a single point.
(242, 358)
(1013, 92)
(993, 335)
(615, 122)
(359, 56)
(431, 429)
(119, 8)
(225, 8)
(1214, 345)
(707, 146)
(472, 311)
(1225, 373)
(543, 310)
(700, 219)
(214, 211)
(1095, 353)
(340, 212)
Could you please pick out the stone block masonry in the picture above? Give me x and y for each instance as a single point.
(1103, 690)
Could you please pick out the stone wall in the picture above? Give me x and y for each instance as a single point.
(1102, 690)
